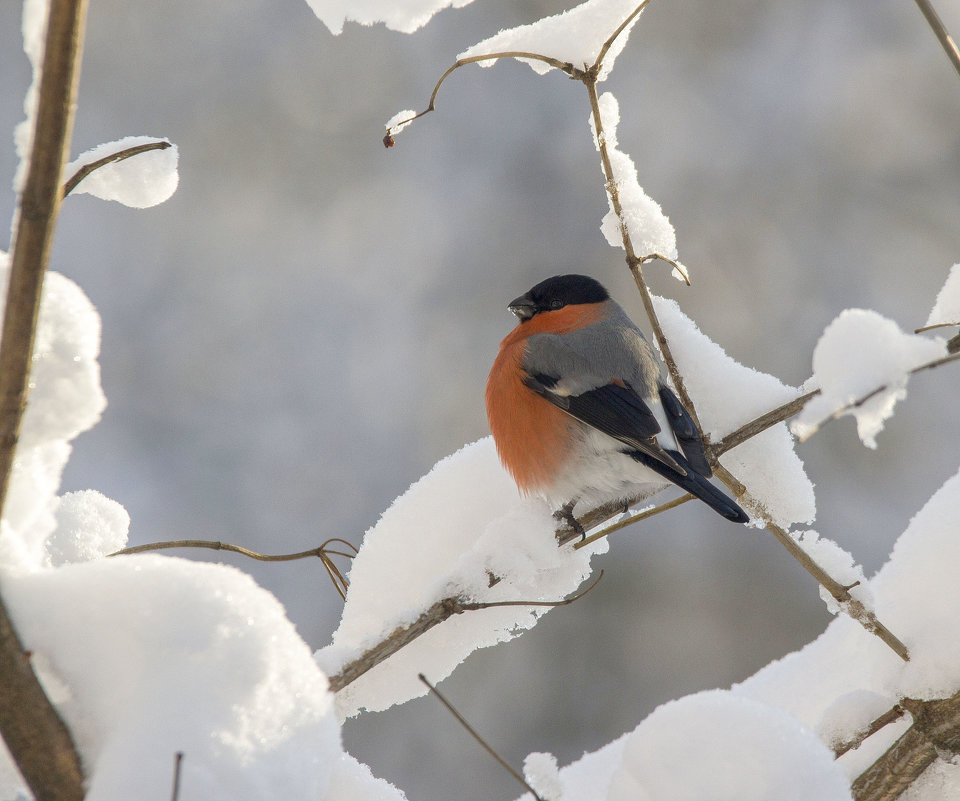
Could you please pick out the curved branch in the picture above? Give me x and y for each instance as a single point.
(564, 66)
(323, 552)
(216, 545)
(120, 155)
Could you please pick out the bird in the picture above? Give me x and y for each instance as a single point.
(580, 410)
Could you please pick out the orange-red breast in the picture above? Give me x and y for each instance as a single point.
(580, 411)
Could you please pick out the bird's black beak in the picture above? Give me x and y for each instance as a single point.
(523, 307)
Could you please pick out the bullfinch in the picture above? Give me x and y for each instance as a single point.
(579, 408)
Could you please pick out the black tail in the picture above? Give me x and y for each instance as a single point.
(695, 484)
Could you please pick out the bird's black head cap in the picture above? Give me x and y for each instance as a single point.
(556, 292)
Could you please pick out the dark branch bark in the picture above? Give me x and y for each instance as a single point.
(37, 738)
(935, 730)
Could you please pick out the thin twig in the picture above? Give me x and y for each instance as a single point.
(120, 155)
(876, 725)
(323, 552)
(935, 325)
(177, 763)
(629, 521)
(613, 37)
(215, 545)
(673, 263)
(473, 733)
(943, 35)
(36, 737)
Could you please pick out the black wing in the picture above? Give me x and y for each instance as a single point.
(695, 484)
(686, 432)
(615, 410)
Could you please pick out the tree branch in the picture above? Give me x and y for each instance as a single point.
(434, 615)
(837, 413)
(943, 35)
(935, 729)
(37, 738)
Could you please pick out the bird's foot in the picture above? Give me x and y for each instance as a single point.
(565, 515)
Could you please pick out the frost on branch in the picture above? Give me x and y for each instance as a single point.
(859, 353)
(727, 395)
(461, 525)
(946, 310)
(144, 180)
(649, 229)
(575, 36)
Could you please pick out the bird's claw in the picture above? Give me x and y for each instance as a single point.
(565, 514)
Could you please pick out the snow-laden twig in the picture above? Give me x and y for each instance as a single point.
(35, 735)
(888, 717)
(438, 612)
(71, 183)
(564, 66)
(854, 404)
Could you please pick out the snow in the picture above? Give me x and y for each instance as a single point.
(742, 750)
(65, 399)
(650, 230)
(405, 17)
(946, 309)
(33, 26)
(140, 181)
(728, 395)
(199, 651)
(89, 525)
(859, 353)
(404, 117)
(575, 36)
(540, 772)
(847, 677)
(771, 735)
(446, 536)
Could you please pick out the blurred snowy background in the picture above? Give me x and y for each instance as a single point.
(306, 326)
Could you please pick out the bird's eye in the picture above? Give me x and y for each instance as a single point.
(556, 303)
